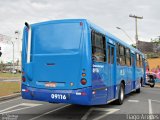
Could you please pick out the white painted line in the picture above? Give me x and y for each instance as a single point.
(108, 110)
(15, 110)
(155, 101)
(135, 101)
(27, 105)
(49, 112)
(9, 100)
(30, 104)
(86, 115)
(8, 108)
(150, 107)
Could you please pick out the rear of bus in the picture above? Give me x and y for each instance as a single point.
(59, 66)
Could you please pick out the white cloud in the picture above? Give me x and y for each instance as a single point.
(106, 13)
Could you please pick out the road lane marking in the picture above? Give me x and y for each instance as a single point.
(27, 105)
(9, 100)
(156, 101)
(30, 104)
(49, 112)
(150, 106)
(135, 101)
(108, 110)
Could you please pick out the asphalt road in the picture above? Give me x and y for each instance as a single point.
(135, 106)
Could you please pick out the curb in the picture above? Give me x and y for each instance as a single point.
(157, 85)
(10, 96)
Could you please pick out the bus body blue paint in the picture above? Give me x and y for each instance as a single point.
(61, 51)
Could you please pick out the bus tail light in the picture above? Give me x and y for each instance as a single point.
(22, 73)
(81, 93)
(25, 90)
(83, 74)
(93, 92)
(83, 81)
(23, 79)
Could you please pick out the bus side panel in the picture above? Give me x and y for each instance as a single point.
(123, 76)
(139, 75)
(129, 79)
(99, 83)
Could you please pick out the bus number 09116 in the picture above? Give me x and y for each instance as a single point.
(58, 96)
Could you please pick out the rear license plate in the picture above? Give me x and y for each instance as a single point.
(59, 96)
(50, 84)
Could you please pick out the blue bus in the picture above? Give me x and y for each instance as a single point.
(74, 61)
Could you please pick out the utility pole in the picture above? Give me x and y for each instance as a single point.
(17, 34)
(136, 36)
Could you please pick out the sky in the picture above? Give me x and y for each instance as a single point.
(108, 14)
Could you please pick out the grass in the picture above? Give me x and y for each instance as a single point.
(10, 75)
(7, 88)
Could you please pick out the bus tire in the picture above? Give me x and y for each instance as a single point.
(138, 90)
(121, 93)
(141, 82)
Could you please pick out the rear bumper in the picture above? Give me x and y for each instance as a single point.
(79, 96)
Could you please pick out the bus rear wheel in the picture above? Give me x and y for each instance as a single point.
(120, 99)
(138, 90)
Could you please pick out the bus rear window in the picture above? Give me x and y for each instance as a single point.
(56, 38)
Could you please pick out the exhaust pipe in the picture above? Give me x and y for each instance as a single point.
(29, 42)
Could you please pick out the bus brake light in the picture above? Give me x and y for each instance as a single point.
(23, 79)
(83, 81)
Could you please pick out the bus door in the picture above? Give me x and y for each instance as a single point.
(111, 70)
(133, 70)
(145, 67)
(99, 77)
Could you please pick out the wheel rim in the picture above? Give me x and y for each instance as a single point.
(122, 93)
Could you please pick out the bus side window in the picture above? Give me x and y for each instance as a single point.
(112, 55)
(98, 47)
(122, 55)
(132, 60)
(140, 61)
(137, 60)
(128, 57)
(109, 59)
(117, 52)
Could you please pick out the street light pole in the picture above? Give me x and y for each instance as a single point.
(125, 33)
(13, 55)
(136, 36)
(17, 33)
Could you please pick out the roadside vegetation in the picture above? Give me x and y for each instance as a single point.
(8, 88)
(10, 75)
